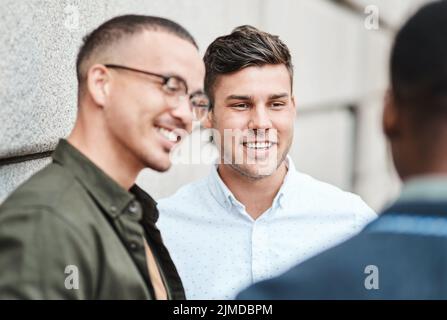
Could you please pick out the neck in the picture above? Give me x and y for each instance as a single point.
(421, 149)
(425, 162)
(110, 156)
(255, 194)
(438, 169)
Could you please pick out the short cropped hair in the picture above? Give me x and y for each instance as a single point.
(419, 63)
(246, 46)
(114, 30)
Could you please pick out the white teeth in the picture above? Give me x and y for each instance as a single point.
(170, 135)
(259, 145)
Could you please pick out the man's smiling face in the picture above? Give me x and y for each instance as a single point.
(254, 114)
(139, 115)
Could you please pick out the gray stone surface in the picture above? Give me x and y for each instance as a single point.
(37, 59)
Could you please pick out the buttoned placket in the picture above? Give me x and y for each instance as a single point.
(260, 243)
(127, 222)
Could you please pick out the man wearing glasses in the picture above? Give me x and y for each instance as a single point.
(80, 229)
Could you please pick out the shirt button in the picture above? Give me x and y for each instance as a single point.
(134, 207)
(113, 209)
(133, 245)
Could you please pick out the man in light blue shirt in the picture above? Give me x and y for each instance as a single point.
(254, 216)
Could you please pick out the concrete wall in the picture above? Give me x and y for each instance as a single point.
(341, 73)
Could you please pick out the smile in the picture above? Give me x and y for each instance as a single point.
(168, 134)
(258, 145)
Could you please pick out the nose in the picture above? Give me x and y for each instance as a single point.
(183, 112)
(259, 118)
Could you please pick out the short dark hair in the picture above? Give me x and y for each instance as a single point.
(419, 63)
(246, 46)
(113, 30)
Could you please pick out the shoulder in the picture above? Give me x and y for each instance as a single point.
(324, 276)
(402, 264)
(44, 188)
(312, 185)
(42, 245)
(39, 225)
(325, 194)
(52, 195)
(192, 194)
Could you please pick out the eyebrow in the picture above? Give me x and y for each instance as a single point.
(278, 96)
(245, 97)
(238, 97)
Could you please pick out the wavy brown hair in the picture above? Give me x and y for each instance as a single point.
(246, 46)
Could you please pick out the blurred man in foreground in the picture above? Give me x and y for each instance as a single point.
(78, 229)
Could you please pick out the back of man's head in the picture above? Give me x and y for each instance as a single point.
(419, 66)
(415, 115)
(99, 44)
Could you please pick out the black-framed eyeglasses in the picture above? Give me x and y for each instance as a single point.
(176, 90)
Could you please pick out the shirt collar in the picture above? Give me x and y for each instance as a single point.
(287, 184)
(219, 189)
(149, 205)
(432, 188)
(225, 197)
(108, 193)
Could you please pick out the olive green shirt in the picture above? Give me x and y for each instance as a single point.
(71, 232)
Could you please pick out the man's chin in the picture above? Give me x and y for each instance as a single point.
(254, 171)
(160, 166)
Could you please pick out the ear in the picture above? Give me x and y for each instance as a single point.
(98, 83)
(208, 121)
(390, 119)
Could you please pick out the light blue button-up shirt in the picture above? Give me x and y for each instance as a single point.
(219, 248)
